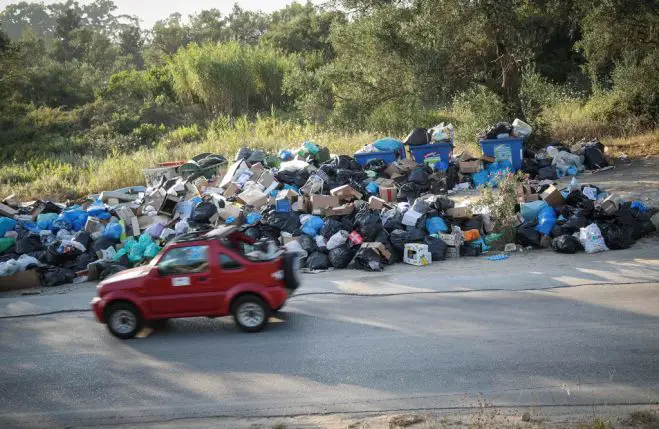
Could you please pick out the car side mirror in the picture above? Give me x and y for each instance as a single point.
(155, 271)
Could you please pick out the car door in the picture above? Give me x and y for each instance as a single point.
(184, 284)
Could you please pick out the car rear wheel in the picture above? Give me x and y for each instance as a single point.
(251, 313)
(291, 269)
(124, 320)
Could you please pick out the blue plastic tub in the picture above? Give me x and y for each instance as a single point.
(443, 150)
(388, 156)
(505, 150)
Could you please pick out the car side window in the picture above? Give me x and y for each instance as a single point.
(184, 260)
(228, 263)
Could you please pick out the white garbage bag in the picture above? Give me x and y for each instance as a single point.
(591, 239)
(337, 240)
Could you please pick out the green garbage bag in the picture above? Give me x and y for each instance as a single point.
(136, 253)
(151, 251)
(128, 244)
(120, 253)
(6, 243)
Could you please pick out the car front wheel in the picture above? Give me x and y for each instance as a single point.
(124, 320)
(251, 313)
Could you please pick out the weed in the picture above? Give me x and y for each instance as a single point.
(405, 421)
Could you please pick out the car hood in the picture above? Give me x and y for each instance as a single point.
(129, 274)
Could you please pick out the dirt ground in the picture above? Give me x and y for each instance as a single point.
(628, 417)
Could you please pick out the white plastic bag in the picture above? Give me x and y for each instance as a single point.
(337, 240)
(295, 247)
(521, 128)
(320, 241)
(25, 261)
(591, 239)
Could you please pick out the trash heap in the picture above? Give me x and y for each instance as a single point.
(364, 212)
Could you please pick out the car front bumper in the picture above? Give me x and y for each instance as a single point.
(98, 307)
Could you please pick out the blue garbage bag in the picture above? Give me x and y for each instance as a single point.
(252, 218)
(373, 188)
(441, 166)
(6, 224)
(45, 220)
(546, 220)
(312, 226)
(639, 206)
(531, 210)
(98, 210)
(388, 144)
(285, 155)
(435, 225)
(74, 217)
(481, 178)
(113, 231)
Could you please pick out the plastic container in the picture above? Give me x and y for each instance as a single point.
(505, 150)
(152, 175)
(388, 157)
(443, 150)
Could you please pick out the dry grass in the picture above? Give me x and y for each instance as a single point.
(639, 146)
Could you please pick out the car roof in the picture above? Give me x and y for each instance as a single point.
(214, 234)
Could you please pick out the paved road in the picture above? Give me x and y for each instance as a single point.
(572, 346)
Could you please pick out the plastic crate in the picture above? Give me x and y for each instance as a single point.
(444, 150)
(386, 156)
(505, 150)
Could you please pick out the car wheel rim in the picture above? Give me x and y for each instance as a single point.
(123, 321)
(251, 315)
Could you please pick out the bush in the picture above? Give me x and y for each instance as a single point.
(149, 133)
(474, 110)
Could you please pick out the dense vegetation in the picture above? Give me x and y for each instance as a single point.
(88, 98)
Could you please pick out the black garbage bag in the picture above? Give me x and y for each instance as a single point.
(317, 261)
(443, 203)
(203, 212)
(419, 176)
(437, 183)
(566, 244)
(394, 220)
(341, 256)
(436, 247)
(367, 259)
(53, 257)
(82, 261)
(594, 156)
(111, 270)
(243, 153)
(577, 199)
(256, 156)
(282, 221)
(499, 128)
(51, 207)
(37, 254)
(556, 231)
(408, 192)
(328, 168)
(418, 137)
(368, 223)
(475, 222)
(83, 238)
(399, 238)
(296, 178)
(452, 176)
(101, 243)
(346, 162)
(527, 235)
(254, 233)
(530, 166)
(420, 206)
(29, 243)
(547, 173)
(307, 243)
(575, 222)
(376, 165)
(415, 234)
(617, 237)
(383, 237)
(331, 227)
(269, 233)
(55, 276)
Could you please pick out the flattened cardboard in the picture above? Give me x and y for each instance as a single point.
(468, 167)
(231, 190)
(23, 280)
(552, 196)
(342, 210)
(266, 179)
(459, 212)
(346, 193)
(234, 169)
(320, 203)
(230, 210)
(376, 203)
(12, 202)
(379, 248)
(289, 194)
(487, 158)
(381, 181)
(253, 198)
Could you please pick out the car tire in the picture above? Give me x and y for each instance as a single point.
(124, 320)
(250, 313)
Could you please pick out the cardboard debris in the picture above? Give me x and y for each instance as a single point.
(7, 211)
(12, 202)
(120, 196)
(346, 193)
(388, 193)
(459, 212)
(23, 280)
(553, 196)
(376, 203)
(342, 210)
(253, 198)
(320, 203)
(468, 167)
(379, 248)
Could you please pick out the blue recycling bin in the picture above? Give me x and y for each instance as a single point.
(386, 156)
(443, 150)
(505, 150)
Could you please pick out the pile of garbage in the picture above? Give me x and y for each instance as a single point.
(335, 211)
(557, 160)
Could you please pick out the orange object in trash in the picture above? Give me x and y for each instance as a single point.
(471, 235)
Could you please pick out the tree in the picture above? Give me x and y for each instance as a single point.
(21, 17)
(169, 35)
(67, 48)
(244, 26)
(207, 26)
(131, 42)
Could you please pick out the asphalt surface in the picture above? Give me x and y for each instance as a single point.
(572, 346)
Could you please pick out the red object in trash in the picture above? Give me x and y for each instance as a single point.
(171, 164)
(355, 238)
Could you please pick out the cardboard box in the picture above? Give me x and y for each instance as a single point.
(411, 217)
(459, 212)
(487, 158)
(253, 198)
(134, 226)
(23, 280)
(93, 225)
(257, 169)
(289, 194)
(230, 210)
(553, 196)
(106, 195)
(320, 203)
(525, 194)
(346, 193)
(376, 203)
(381, 181)
(407, 165)
(343, 210)
(168, 206)
(609, 206)
(379, 248)
(235, 169)
(302, 205)
(468, 167)
(125, 214)
(388, 193)
(394, 170)
(231, 190)
(266, 179)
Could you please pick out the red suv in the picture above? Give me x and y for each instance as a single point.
(213, 275)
